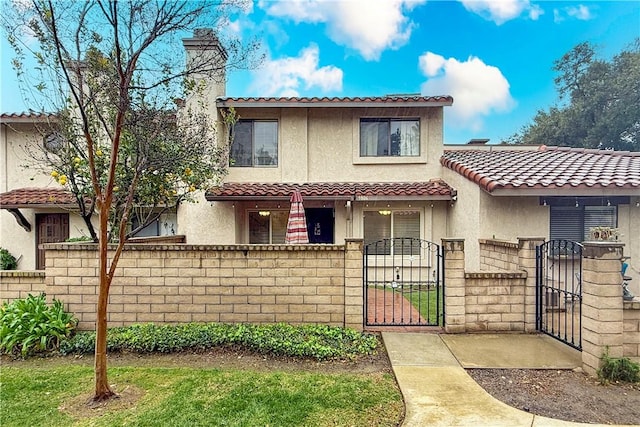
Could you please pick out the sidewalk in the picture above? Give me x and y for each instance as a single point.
(437, 391)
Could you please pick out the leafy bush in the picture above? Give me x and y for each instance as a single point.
(309, 341)
(79, 239)
(29, 325)
(618, 369)
(7, 261)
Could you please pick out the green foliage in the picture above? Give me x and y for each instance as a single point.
(602, 102)
(29, 325)
(79, 239)
(309, 341)
(618, 369)
(7, 261)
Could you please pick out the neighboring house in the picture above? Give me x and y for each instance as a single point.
(372, 168)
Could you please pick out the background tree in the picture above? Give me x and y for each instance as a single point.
(111, 71)
(601, 102)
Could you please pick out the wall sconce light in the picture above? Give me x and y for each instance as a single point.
(264, 213)
(638, 204)
(577, 205)
(384, 212)
(608, 202)
(544, 202)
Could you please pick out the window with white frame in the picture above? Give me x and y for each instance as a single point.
(397, 231)
(575, 222)
(255, 143)
(267, 227)
(389, 137)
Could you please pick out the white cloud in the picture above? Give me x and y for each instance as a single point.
(501, 11)
(369, 27)
(478, 89)
(287, 76)
(580, 12)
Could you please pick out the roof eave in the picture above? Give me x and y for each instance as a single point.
(566, 191)
(329, 104)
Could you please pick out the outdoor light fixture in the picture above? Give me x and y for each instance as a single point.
(264, 213)
(384, 212)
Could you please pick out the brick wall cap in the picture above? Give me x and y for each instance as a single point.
(189, 247)
(22, 273)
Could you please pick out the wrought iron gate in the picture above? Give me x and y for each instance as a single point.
(559, 290)
(403, 283)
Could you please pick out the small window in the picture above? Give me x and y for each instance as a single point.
(255, 143)
(398, 232)
(267, 227)
(389, 137)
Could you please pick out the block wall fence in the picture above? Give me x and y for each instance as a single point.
(322, 284)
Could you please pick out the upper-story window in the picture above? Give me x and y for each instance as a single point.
(255, 143)
(389, 137)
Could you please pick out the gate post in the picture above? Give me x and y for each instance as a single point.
(454, 289)
(353, 285)
(527, 263)
(602, 304)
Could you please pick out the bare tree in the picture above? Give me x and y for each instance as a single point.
(112, 71)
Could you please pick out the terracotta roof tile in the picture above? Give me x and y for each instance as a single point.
(36, 197)
(26, 117)
(547, 167)
(404, 100)
(434, 189)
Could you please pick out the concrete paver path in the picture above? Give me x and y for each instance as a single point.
(437, 390)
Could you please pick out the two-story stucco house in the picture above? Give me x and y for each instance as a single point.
(367, 167)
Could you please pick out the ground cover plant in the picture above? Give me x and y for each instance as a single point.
(306, 341)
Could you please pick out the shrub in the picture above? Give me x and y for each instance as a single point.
(317, 342)
(29, 325)
(7, 261)
(618, 369)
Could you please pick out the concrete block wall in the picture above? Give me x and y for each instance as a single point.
(314, 284)
(631, 330)
(16, 284)
(498, 255)
(495, 301)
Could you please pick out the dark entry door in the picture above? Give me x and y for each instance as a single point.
(50, 228)
(319, 224)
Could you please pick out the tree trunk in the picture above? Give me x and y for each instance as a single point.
(102, 390)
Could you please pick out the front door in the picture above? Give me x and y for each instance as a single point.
(50, 228)
(319, 224)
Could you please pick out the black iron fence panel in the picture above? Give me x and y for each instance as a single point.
(559, 291)
(403, 283)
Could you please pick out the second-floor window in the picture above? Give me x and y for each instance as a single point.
(389, 137)
(255, 143)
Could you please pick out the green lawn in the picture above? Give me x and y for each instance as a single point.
(31, 396)
(426, 303)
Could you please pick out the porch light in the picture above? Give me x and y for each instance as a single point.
(264, 213)
(384, 212)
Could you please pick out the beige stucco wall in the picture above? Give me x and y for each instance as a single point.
(19, 169)
(322, 145)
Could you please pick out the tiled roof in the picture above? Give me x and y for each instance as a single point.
(26, 117)
(36, 197)
(434, 189)
(548, 168)
(389, 100)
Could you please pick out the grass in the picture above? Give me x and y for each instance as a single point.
(199, 397)
(426, 303)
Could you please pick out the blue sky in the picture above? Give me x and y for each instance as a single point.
(494, 57)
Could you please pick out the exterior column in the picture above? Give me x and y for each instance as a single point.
(353, 284)
(454, 286)
(527, 262)
(602, 304)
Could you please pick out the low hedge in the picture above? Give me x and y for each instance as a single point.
(308, 341)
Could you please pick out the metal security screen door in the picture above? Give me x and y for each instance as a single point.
(559, 291)
(403, 283)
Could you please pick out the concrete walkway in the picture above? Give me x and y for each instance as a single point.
(437, 391)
